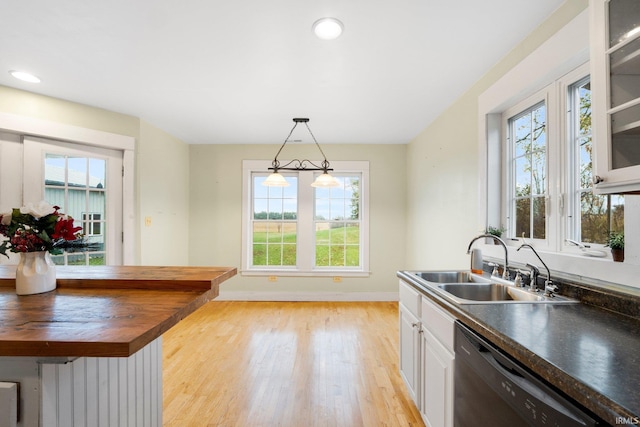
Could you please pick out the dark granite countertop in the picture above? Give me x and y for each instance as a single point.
(588, 353)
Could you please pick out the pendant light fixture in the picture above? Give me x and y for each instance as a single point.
(323, 180)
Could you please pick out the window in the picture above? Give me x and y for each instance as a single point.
(528, 170)
(591, 217)
(274, 223)
(547, 190)
(337, 223)
(302, 230)
(92, 224)
(80, 183)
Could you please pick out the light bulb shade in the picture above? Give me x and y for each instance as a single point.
(275, 180)
(324, 181)
(24, 76)
(327, 28)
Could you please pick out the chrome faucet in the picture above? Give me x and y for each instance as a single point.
(549, 287)
(505, 271)
(533, 277)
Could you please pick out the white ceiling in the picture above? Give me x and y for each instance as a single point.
(238, 71)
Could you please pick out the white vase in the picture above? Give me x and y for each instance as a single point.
(36, 273)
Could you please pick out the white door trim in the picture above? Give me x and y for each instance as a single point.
(30, 126)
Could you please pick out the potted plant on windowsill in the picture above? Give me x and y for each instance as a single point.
(494, 231)
(616, 243)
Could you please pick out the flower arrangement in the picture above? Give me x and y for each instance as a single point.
(34, 228)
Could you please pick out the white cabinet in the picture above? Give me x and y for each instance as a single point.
(437, 365)
(615, 84)
(410, 339)
(437, 385)
(426, 355)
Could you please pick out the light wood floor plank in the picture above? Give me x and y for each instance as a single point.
(253, 364)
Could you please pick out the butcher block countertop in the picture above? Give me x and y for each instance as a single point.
(102, 311)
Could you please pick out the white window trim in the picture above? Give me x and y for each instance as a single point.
(360, 167)
(563, 52)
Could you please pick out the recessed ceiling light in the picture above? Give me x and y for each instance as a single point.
(327, 28)
(25, 77)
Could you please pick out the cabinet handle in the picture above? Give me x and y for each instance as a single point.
(597, 179)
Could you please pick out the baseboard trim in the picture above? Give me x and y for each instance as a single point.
(307, 296)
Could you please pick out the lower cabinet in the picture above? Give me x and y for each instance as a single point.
(410, 332)
(437, 382)
(426, 355)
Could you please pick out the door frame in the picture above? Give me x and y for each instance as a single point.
(53, 130)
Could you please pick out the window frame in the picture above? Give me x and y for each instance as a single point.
(305, 258)
(546, 95)
(560, 205)
(571, 183)
(511, 116)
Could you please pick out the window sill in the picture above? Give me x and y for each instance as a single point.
(571, 266)
(299, 273)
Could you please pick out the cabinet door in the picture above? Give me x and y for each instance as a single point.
(437, 382)
(410, 351)
(615, 79)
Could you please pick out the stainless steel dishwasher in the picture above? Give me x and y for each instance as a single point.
(493, 390)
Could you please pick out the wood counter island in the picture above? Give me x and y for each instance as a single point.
(91, 350)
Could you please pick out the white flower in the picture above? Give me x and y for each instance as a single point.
(37, 211)
(6, 216)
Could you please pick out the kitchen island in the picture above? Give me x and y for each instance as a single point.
(90, 352)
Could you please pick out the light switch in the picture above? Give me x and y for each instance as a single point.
(8, 404)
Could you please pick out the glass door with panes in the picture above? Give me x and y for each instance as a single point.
(86, 183)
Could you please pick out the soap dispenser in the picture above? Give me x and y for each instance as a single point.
(476, 261)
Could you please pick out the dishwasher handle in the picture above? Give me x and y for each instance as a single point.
(525, 393)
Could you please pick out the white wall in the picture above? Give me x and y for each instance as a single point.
(163, 177)
(216, 207)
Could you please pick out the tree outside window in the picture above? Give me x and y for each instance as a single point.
(528, 133)
(595, 216)
(337, 223)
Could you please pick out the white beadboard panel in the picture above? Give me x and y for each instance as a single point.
(104, 392)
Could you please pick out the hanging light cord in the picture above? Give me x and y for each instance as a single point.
(300, 164)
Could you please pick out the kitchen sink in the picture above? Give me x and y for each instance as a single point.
(478, 291)
(463, 287)
(496, 292)
(453, 276)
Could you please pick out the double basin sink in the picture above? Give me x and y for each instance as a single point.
(464, 287)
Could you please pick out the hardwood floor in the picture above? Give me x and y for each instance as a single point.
(286, 364)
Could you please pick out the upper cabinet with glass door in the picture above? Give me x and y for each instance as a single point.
(615, 77)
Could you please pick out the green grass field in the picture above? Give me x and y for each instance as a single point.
(334, 247)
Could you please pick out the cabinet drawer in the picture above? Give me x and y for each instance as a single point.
(438, 322)
(410, 298)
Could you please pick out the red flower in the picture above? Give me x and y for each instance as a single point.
(64, 229)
